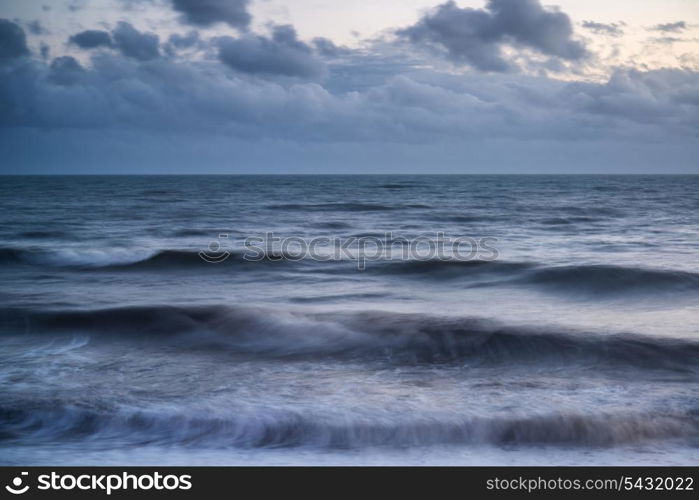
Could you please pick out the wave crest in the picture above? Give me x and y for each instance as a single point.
(402, 338)
(276, 428)
(584, 279)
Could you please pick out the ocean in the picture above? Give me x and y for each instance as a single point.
(253, 320)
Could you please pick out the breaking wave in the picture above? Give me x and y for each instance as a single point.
(593, 280)
(278, 428)
(396, 337)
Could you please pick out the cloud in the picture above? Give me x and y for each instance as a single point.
(202, 99)
(667, 40)
(476, 36)
(76, 5)
(134, 4)
(135, 44)
(258, 100)
(328, 48)
(610, 29)
(282, 54)
(65, 70)
(190, 40)
(208, 12)
(13, 41)
(90, 39)
(125, 38)
(36, 28)
(368, 101)
(184, 41)
(670, 27)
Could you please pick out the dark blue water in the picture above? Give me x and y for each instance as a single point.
(570, 336)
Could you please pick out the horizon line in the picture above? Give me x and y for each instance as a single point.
(306, 174)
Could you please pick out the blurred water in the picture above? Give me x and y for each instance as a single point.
(578, 344)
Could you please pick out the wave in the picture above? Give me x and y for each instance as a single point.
(278, 428)
(344, 207)
(10, 256)
(123, 259)
(448, 268)
(588, 279)
(44, 234)
(339, 207)
(607, 279)
(562, 221)
(398, 186)
(179, 259)
(185, 233)
(587, 211)
(393, 337)
(470, 218)
(67, 257)
(332, 225)
(592, 280)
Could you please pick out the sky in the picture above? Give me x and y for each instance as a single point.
(319, 86)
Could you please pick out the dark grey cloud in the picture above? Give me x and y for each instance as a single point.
(207, 12)
(476, 36)
(118, 106)
(202, 100)
(670, 27)
(13, 41)
(282, 54)
(528, 23)
(177, 42)
(667, 40)
(76, 5)
(65, 70)
(36, 28)
(136, 44)
(610, 29)
(134, 4)
(90, 39)
(328, 48)
(139, 45)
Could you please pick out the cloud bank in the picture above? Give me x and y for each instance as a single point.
(139, 96)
